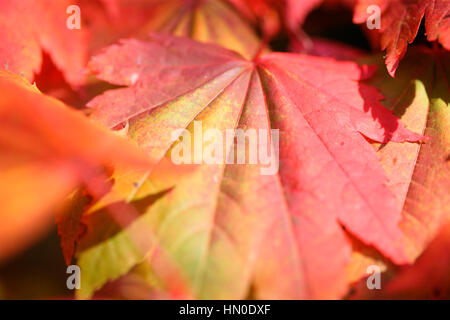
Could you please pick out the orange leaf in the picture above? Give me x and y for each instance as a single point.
(46, 151)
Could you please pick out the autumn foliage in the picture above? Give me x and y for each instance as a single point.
(356, 134)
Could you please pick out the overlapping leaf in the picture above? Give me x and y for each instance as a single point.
(46, 151)
(400, 21)
(227, 227)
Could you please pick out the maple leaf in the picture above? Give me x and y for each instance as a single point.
(226, 226)
(46, 151)
(204, 20)
(29, 27)
(400, 21)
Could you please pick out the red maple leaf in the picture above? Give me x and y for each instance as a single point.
(29, 27)
(288, 223)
